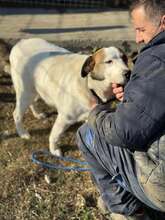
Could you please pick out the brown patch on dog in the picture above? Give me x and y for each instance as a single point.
(99, 58)
(91, 63)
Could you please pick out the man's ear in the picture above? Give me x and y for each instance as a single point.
(88, 66)
(163, 22)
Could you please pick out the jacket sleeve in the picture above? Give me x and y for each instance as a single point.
(140, 118)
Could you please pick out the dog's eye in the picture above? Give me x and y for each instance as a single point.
(109, 61)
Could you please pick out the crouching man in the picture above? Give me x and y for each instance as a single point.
(126, 148)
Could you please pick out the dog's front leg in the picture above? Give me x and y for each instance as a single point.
(60, 125)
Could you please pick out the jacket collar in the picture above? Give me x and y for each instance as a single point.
(158, 39)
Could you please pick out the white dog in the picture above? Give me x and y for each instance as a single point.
(62, 79)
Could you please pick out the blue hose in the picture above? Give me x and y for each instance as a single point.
(47, 154)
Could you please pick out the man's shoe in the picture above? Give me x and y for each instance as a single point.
(143, 216)
(140, 215)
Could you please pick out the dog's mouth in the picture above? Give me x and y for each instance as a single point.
(125, 78)
(97, 98)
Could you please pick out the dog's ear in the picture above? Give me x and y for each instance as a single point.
(124, 56)
(88, 66)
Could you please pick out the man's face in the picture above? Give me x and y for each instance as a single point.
(145, 29)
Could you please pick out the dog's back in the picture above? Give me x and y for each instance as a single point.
(30, 47)
(25, 57)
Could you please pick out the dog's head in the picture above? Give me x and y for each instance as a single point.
(108, 64)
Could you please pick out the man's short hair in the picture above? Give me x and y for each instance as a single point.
(154, 9)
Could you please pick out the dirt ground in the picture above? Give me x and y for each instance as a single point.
(25, 193)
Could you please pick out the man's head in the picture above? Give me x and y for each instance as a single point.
(148, 17)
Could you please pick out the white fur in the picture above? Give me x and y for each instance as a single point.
(54, 73)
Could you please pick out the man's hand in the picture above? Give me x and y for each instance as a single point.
(118, 91)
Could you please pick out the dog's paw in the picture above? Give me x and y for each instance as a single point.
(56, 152)
(25, 135)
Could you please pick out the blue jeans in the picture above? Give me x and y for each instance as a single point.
(113, 171)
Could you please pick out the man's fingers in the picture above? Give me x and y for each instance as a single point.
(119, 96)
(118, 90)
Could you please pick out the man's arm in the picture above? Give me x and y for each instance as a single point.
(127, 127)
(140, 118)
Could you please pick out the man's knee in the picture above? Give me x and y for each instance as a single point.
(85, 141)
(81, 137)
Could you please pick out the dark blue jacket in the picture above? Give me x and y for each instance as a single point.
(140, 119)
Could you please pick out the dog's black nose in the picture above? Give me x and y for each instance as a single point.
(128, 74)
